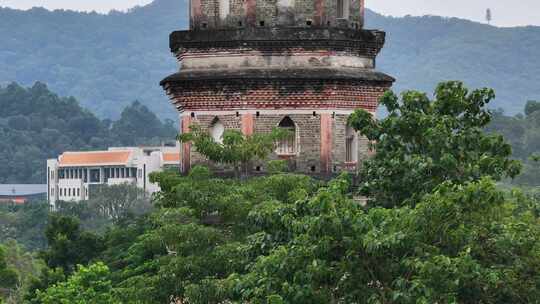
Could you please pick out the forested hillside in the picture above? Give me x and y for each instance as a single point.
(523, 133)
(36, 124)
(107, 61)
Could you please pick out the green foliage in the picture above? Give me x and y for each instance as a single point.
(68, 245)
(47, 277)
(17, 270)
(87, 285)
(522, 132)
(24, 223)
(461, 244)
(286, 239)
(423, 143)
(236, 149)
(36, 124)
(9, 277)
(109, 204)
(138, 125)
(277, 166)
(197, 237)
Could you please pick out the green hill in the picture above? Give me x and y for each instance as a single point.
(36, 124)
(107, 61)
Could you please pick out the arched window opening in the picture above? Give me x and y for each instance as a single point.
(216, 130)
(351, 145)
(287, 145)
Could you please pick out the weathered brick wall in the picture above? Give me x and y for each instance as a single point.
(304, 10)
(237, 15)
(308, 137)
(299, 13)
(339, 145)
(230, 122)
(308, 140)
(231, 95)
(266, 12)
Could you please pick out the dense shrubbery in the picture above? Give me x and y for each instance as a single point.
(36, 124)
(288, 239)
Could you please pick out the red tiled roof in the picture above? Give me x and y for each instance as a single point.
(94, 158)
(171, 157)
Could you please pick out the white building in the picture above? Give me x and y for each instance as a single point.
(74, 175)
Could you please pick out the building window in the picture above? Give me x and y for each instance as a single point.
(123, 172)
(287, 146)
(216, 130)
(94, 176)
(78, 191)
(351, 145)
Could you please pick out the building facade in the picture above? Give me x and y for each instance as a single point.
(303, 65)
(73, 176)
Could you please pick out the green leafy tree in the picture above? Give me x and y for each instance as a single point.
(236, 149)
(9, 278)
(68, 244)
(85, 286)
(118, 201)
(21, 265)
(198, 235)
(24, 223)
(423, 143)
(47, 277)
(138, 125)
(461, 244)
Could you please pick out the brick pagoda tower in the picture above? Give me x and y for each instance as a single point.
(304, 65)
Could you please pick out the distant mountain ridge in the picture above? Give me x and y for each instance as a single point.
(107, 61)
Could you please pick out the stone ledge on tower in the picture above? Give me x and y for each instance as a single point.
(366, 42)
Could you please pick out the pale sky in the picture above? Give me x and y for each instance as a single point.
(505, 12)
